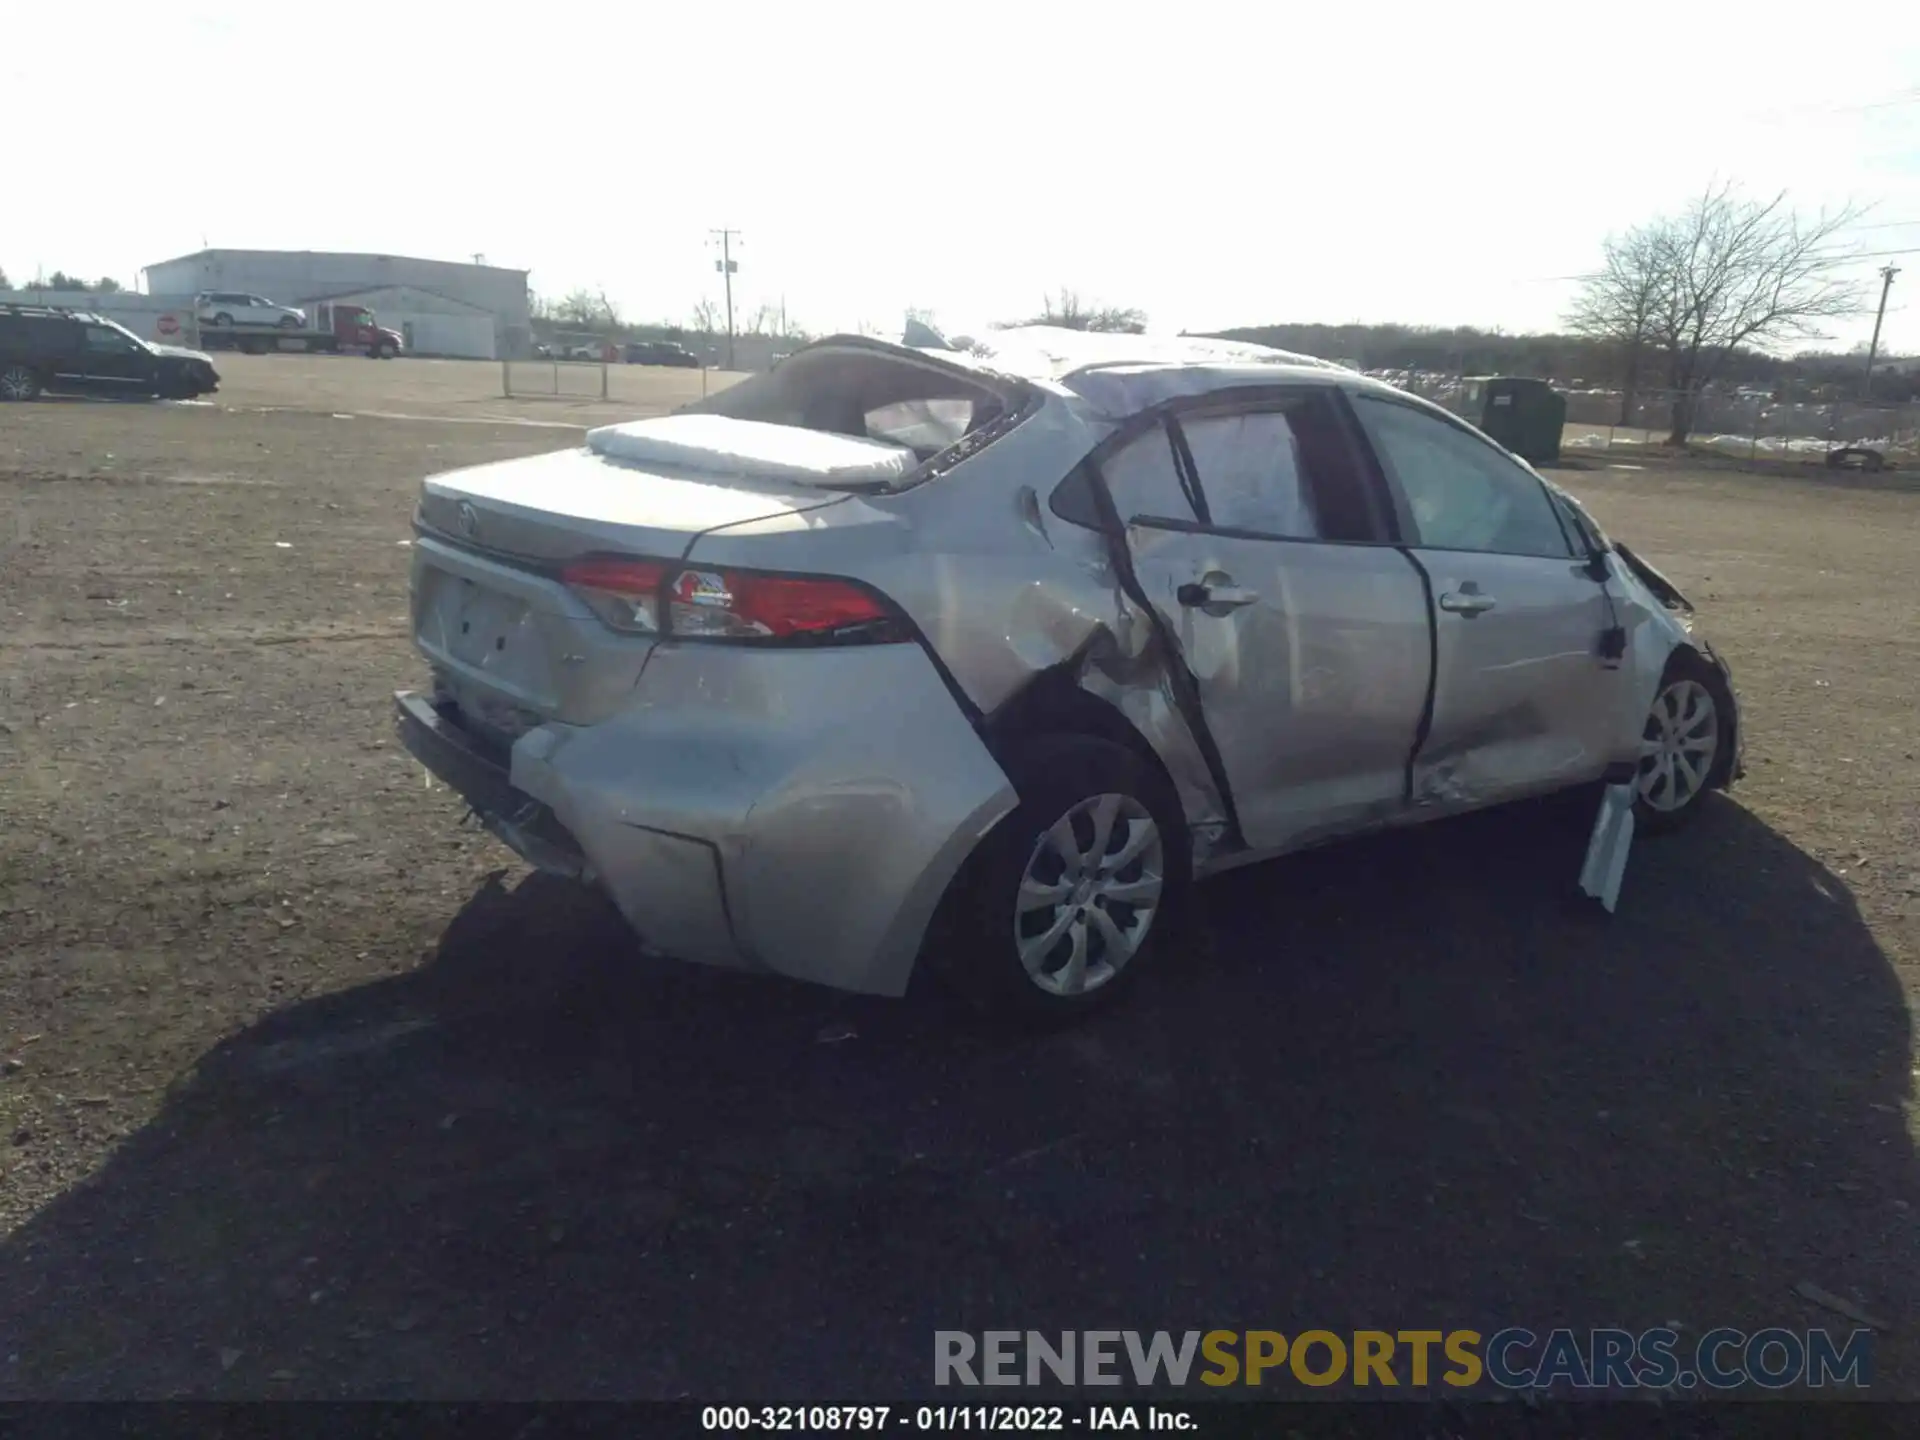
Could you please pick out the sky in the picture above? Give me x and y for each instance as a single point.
(1210, 164)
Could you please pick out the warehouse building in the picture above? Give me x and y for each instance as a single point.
(444, 307)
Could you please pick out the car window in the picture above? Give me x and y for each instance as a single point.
(100, 338)
(1143, 478)
(924, 425)
(1464, 494)
(1250, 472)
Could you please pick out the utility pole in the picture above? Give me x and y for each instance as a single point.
(1887, 272)
(726, 265)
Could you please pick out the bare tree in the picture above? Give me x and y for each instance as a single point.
(609, 311)
(579, 308)
(765, 320)
(1728, 272)
(1618, 304)
(706, 318)
(1070, 312)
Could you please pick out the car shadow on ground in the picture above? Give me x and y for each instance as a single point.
(1402, 1083)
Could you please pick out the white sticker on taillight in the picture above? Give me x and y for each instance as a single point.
(702, 587)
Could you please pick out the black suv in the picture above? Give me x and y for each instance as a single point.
(661, 352)
(75, 353)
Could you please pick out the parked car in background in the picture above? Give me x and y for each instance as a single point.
(883, 653)
(233, 307)
(661, 352)
(591, 348)
(68, 352)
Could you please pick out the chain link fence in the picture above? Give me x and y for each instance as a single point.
(554, 379)
(1746, 426)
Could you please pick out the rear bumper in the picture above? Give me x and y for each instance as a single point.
(668, 886)
(795, 813)
(467, 767)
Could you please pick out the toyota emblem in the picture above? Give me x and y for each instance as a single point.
(469, 519)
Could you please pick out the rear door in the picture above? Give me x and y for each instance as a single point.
(1524, 699)
(1306, 632)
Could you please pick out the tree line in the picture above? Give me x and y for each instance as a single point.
(60, 280)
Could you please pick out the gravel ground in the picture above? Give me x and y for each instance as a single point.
(307, 1091)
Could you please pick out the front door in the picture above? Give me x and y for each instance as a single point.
(108, 362)
(1525, 698)
(1308, 640)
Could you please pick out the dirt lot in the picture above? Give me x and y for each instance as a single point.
(309, 1092)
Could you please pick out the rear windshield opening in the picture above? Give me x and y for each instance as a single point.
(868, 395)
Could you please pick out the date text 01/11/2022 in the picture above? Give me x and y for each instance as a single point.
(942, 1418)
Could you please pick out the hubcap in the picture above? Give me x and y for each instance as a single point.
(1089, 895)
(1678, 746)
(16, 384)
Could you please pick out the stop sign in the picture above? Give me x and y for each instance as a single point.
(168, 325)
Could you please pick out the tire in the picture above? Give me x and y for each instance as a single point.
(1687, 744)
(1068, 784)
(288, 322)
(223, 318)
(19, 382)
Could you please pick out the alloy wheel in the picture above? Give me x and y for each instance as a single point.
(1089, 894)
(17, 383)
(1678, 746)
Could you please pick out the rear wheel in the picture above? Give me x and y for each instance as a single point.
(1685, 745)
(19, 382)
(223, 318)
(1073, 893)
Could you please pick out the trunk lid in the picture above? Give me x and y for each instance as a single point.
(510, 645)
(653, 486)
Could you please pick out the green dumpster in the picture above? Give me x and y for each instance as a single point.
(1526, 416)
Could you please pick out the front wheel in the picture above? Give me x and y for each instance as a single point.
(289, 322)
(1685, 745)
(1072, 894)
(19, 382)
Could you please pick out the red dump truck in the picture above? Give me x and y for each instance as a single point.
(329, 326)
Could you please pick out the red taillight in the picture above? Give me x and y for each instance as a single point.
(696, 603)
(624, 593)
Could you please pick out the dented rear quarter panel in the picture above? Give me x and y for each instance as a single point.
(1002, 590)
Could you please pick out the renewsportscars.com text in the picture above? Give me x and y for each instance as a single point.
(1513, 1358)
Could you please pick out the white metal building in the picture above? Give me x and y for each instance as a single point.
(428, 322)
(296, 277)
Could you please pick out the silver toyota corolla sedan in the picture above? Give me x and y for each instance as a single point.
(893, 653)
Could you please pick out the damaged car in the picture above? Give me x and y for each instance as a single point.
(895, 655)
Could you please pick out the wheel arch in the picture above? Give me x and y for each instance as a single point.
(1055, 703)
(1699, 656)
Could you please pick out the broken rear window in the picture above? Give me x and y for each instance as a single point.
(869, 394)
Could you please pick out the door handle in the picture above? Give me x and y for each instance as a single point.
(1466, 602)
(1215, 597)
